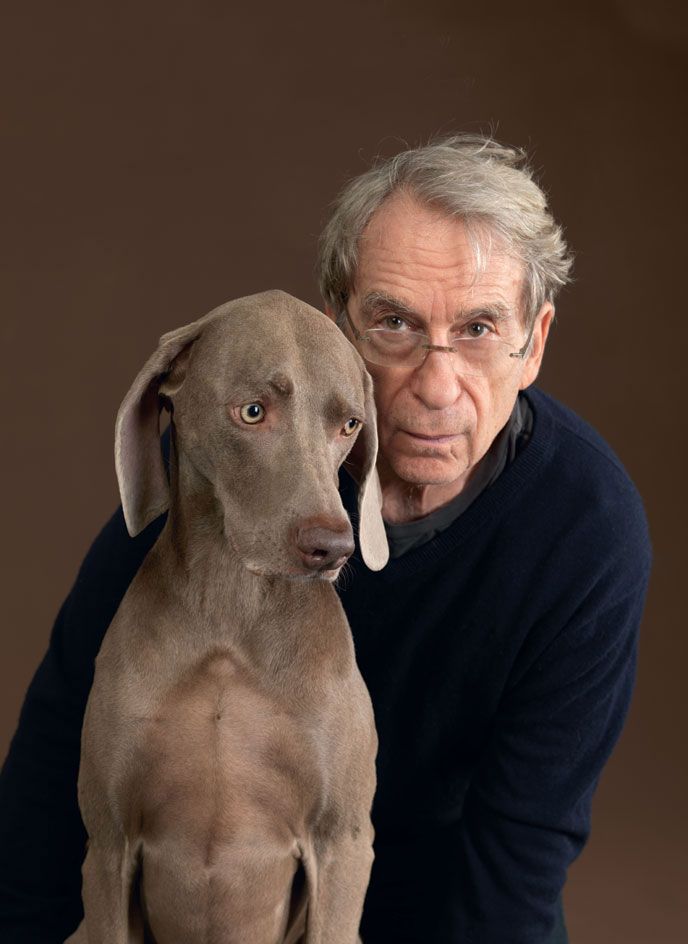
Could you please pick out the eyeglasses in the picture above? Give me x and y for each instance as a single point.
(404, 346)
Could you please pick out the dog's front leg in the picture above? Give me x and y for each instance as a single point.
(340, 880)
(108, 874)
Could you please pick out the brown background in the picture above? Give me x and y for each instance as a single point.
(160, 158)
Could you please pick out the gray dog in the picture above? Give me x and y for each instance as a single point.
(228, 749)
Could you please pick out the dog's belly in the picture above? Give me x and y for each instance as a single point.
(225, 786)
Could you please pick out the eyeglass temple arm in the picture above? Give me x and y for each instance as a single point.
(356, 332)
(524, 349)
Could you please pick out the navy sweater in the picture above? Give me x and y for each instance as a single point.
(500, 659)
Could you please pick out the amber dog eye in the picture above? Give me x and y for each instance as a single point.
(351, 426)
(252, 413)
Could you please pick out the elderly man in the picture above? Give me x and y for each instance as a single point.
(498, 644)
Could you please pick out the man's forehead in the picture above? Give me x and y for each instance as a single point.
(376, 299)
(409, 249)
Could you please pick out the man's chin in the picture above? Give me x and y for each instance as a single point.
(428, 469)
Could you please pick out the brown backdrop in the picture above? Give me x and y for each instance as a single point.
(160, 158)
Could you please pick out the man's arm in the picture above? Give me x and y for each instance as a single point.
(493, 874)
(526, 814)
(42, 838)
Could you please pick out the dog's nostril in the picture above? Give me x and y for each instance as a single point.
(322, 548)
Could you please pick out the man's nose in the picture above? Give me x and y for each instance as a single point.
(436, 382)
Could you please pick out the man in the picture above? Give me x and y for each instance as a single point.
(498, 644)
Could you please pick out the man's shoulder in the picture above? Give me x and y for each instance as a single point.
(576, 445)
(572, 433)
(583, 470)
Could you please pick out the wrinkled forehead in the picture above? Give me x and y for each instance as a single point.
(295, 347)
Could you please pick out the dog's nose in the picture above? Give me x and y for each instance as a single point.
(323, 548)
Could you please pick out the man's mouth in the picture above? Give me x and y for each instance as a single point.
(435, 440)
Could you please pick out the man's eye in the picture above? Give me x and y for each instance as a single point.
(393, 323)
(476, 329)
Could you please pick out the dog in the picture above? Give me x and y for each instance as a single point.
(228, 749)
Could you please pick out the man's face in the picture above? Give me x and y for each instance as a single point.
(434, 423)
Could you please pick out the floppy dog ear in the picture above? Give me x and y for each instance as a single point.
(143, 485)
(371, 528)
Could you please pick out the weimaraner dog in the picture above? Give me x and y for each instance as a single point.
(228, 750)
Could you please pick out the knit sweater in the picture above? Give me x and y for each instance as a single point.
(500, 659)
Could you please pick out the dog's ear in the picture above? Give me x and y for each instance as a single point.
(371, 528)
(141, 475)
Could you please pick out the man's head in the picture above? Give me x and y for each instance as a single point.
(451, 240)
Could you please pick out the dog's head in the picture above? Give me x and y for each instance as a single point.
(267, 398)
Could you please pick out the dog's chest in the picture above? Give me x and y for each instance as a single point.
(222, 749)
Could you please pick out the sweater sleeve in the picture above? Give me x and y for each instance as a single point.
(42, 838)
(526, 813)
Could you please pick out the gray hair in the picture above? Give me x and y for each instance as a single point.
(473, 178)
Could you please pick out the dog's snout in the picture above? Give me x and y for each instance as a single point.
(325, 547)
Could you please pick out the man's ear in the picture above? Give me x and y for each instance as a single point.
(330, 312)
(537, 345)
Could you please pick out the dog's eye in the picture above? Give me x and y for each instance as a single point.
(351, 426)
(252, 413)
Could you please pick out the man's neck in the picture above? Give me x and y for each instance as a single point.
(404, 501)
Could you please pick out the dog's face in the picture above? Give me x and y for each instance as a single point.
(267, 399)
(271, 404)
